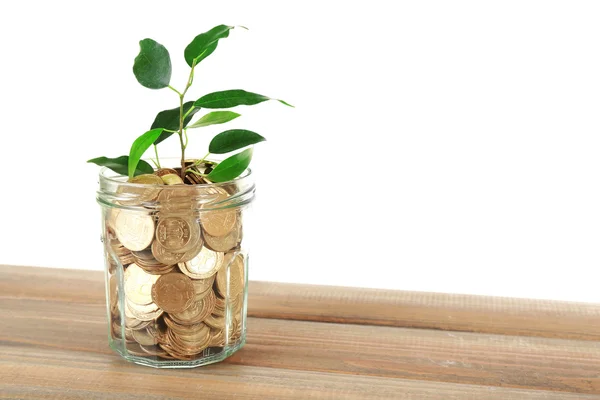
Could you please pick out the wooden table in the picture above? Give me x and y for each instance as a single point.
(307, 342)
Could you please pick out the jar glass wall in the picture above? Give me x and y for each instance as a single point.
(176, 269)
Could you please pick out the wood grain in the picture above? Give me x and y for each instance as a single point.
(54, 344)
(29, 373)
(452, 312)
(459, 357)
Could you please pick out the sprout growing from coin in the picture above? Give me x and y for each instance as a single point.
(152, 69)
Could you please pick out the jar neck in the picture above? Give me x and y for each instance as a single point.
(115, 191)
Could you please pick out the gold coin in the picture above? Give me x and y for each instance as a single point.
(164, 256)
(202, 285)
(181, 328)
(146, 179)
(145, 254)
(140, 308)
(148, 312)
(202, 295)
(173, 292)
(155, 350)
(177, 234)
(190, 333)
(194, 250)
(217, 338)
(195, 340)
(138, 284)
(113, 287)
(132, 322)
(218, 222)
(219, 310)
(164, 171)
(189, 316)
(145, 336)
(238, 304)
(172, 179)
(236, 278)
(144, 190)
(178, 199)
(135, 350)
(159, 271)
(174, 355)
(129, 335)
(223, 243)
(236, 330)
(111, 217)
(150, 316)
(134, 230)
(198, 312)
(215, 322)
(189, 347)
(152, 263)
(204, 265)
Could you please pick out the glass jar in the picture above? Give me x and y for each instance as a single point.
(176, 269)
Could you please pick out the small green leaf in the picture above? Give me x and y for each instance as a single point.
(231, 167)
(233, 139)
(169, 119)
(232, 98)
(205, 43)
(215, 117)
(121, 164)
(152, 66)
(139, 147)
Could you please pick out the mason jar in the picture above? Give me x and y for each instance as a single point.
(176, 268)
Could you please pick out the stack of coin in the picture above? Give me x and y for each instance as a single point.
(183, 273)
(122, 252)
(139, 304)
(145, 190)
(145, 260)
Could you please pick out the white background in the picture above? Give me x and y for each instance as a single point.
(446, 146)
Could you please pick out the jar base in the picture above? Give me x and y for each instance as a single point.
(158, 362)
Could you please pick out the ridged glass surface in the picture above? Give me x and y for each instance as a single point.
(176, 270)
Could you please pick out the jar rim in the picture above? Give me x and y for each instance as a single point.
(103, 175)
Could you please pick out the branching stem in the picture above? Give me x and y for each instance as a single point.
(196, 172)
(175, 90)
(182, 118)
(200, 161)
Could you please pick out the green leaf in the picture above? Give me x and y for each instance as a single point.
(205, 43)
(169, 119)
(215, 117)
(233, 139)
(121, 164)
(231, 167)
(139, 147)
(152, 66)
(232, 98)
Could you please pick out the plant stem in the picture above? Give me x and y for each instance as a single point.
(188, 111)
(196, 172)
(200, 161)
(186, 137)
(157, 159)
(181, 137)
(190, 79)
(182, 117)
(175, 90)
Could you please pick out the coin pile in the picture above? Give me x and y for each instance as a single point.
(183, 271)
